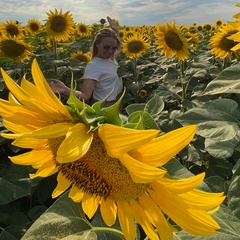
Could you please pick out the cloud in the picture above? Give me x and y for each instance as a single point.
(127, 12)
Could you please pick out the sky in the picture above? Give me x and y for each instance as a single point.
(127, 12)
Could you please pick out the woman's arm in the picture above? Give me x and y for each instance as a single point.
(113, 25)
(84, 94)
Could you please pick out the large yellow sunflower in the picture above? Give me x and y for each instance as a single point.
(59, 25)
(134, 46)
(222, 42)
(79, 55)
(11, 29)
(33, 26)
(172, 43)
(15, 49)
(106, 165)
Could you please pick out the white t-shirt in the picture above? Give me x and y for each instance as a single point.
(104, 71)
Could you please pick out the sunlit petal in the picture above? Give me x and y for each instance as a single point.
(108, 210)
(76, 194)
(62, 185)
(158, 219)
(47, 169)
(141, 172)
(75, 145)
(90, 205)
(161, 149)
(126, 220)
(34, 158)
(118, 140)
(142, 219)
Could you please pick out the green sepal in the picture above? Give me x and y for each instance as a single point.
(72, 111)
(76, 103)
(90, 119)
(97, 106)
(112, 113)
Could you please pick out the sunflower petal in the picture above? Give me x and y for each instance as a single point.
(76, 194)
(119, 140)
(177, 186)
(75, 145)
(34, 158)
(161, 149)
(126, 220)
(51, 131)
(62, 185)
(34, 143)
(108, 210)
(142, 219)
(158, 219)
(46, 170)
(141, 172)
(47, 94)
(195, 221)
(90, 204)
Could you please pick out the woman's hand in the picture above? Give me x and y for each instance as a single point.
(58, 87)
(113, 24)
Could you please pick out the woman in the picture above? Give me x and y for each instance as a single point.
(100, 76)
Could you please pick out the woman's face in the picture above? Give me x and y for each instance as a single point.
(106, 48)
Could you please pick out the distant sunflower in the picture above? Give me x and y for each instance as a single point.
(193, 40)
(83, 30)
(83, 57)
(172, 43)
(219, 23)
(121, 34)
(59, 25)
(33, 26)
(11, 29)
(134, 46)
(128, 28)
(15, 49)
(221, 43)
(142, 93)
(128, 34)
(207, 26)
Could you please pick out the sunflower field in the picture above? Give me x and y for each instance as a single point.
(167, 167)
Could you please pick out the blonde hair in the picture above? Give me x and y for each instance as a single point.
(103, 33)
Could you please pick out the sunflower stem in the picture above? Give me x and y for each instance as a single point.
(109, 230)
(135, 71)
(54, 43)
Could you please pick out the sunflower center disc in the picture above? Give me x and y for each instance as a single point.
(98, 174)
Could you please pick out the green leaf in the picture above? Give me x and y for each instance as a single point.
(63, 220)
(13, 187)
(217, 184)
(234, 193)
(143, 119)
(154, 106)
(228, 81)
(224, 104)
(9, 233)
(221, 149)
(212, 123)
(135, 107)
(36, 211)
(219, 167)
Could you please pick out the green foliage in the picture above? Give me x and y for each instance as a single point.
(203, 91)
